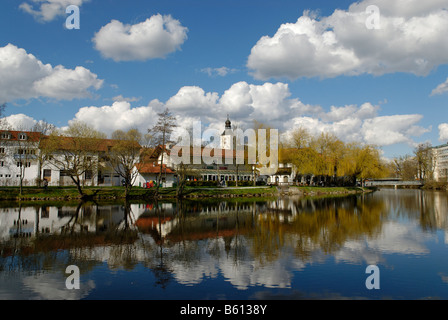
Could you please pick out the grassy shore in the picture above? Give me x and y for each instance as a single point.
(108, 193)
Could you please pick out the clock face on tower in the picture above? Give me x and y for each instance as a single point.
(225, 142)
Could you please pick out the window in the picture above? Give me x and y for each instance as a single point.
(47, 173)
(64, 173)
(88, 174)
(2, 150)
(2, 163)
(26, 151)
(22, 136)
(6, 135)
(20, 164)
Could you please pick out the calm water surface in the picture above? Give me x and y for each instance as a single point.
(290, 248)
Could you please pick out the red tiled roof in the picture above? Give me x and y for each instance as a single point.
(31, 136)
(152, 168)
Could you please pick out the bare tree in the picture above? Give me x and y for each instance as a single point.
(424, 159)
(161, 134)
(75, 152)
(42, 129)
(125, 154)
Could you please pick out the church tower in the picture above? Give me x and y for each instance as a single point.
(227, 136)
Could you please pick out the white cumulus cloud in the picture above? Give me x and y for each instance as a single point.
(362, 124)
(153, 38)
(26, 77)
(269, 103)
(411, 39)
(19, 122)
(120, 116)
(388, 130)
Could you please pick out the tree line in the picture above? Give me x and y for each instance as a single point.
(324, 156)
(331, 160)
(338, 162)
(415, 166)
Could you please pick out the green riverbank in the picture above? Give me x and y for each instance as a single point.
(109, 193)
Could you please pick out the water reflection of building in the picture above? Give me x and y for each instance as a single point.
(441, 212)
(27, 222)
(196, 221)
(200, 221)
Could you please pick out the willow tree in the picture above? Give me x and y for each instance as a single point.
(363, 161)
(323, 154)
(300, 153)
(331, 152)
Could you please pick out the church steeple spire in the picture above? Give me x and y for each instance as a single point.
(228, 123)
(227, 135)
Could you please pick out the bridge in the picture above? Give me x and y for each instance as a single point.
(392, 182)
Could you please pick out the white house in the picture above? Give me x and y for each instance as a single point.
(147, 174)
(21, 157)
(284, 175)
(18, 157)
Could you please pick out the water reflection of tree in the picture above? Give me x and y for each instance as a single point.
(268, 238)
(236, 245)
(124, 252)
(239, 229)
(327, 228)
(160, 267)
(427, 207)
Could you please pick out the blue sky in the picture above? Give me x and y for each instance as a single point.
(284, 63)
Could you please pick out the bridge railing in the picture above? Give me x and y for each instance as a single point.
(374, 183)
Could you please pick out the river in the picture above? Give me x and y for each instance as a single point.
(237, 249)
